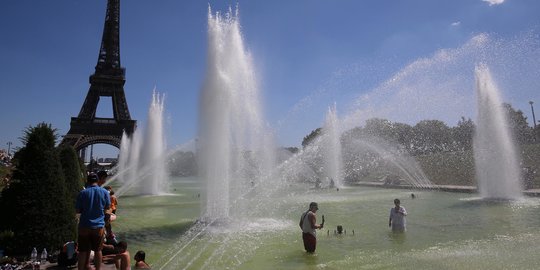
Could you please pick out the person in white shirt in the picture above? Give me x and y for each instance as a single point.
(397, 217)
(308, 223)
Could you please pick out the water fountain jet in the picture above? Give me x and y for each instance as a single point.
(496, 160)
(332, 148)
(142, 157)
(235, 150)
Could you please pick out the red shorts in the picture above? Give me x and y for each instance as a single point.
(310, 242)
(90, 239)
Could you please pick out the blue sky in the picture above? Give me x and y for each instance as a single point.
(309, 54)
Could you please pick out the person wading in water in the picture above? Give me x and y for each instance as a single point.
(308, 224)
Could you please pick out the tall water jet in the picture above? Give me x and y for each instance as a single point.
(152, 163)
(142, 157)
(234, 148)
(332, 148)
(496, 161)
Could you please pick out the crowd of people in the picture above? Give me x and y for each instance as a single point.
(96, 241)
(5, 157)
(97, 207)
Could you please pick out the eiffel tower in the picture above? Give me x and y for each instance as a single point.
(108, 81)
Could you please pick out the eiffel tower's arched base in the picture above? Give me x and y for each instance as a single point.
(80, 142)
(86, 132)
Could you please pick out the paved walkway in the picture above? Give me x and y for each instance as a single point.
(54, 266)
(449, 188)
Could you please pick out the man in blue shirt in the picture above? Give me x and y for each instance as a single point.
(91, 204)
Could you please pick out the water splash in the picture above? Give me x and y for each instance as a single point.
(235, 150)
(386, 159)
(142, 157)
(332, 148)
(496, 161)
(441, 86)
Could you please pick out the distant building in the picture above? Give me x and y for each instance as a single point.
(103, 164)
(107, 160)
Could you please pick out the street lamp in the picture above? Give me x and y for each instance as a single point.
(9, 147)
(534, 118)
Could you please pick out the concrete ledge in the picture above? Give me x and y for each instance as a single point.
(447, 188)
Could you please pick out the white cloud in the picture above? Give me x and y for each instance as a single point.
(494, 2)
(456, 23)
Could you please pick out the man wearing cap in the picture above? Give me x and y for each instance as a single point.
(91, 204)
(308, 223)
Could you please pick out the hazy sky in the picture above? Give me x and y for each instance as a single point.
(402, 60)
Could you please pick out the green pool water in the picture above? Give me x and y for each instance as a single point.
(444, 231)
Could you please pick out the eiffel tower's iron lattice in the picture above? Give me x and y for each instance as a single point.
(107, 81)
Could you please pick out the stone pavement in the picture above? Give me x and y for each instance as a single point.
(54, 266)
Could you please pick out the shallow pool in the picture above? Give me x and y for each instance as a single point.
(444, 231)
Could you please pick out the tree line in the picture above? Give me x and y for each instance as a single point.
(433, 136)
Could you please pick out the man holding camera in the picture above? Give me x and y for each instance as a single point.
(308, 223)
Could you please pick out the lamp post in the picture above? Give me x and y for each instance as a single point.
(534, 119)
(9, 147)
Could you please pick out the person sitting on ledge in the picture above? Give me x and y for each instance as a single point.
(120, 255)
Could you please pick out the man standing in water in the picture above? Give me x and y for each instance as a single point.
(397, 217)
(308, 223)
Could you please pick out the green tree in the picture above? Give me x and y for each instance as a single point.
(40, 212)
(292, 149)
(182, 163)
(523, 134)
(462, 134)
(431, 136)
(381, 128)
(311, 137)
(74, 182)
(403, 134)
(71, 168)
